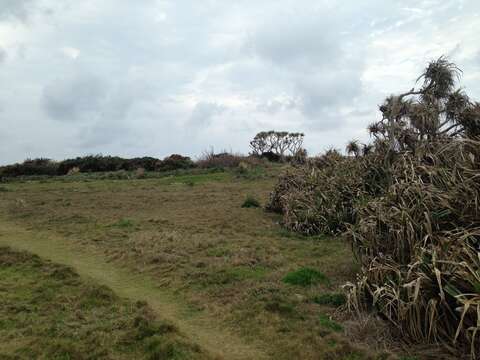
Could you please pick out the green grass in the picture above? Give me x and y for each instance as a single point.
(47, 311)
(305, 277)
(332, 299)
(250, 202)
(233, 275)
(124, 224)
(199, 246)
(327, 323)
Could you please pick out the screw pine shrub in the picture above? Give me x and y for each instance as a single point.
(419, 245)
(409, 204)
(319, 197)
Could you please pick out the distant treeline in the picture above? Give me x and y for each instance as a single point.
(94, 163)
(101, 163)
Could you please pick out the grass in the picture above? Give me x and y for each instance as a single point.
(48, 311)
(305, 277)
(124, 224)
(328, 323)
(332, 299)
(250, 202)
(198, 244)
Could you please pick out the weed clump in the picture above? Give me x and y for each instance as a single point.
(328, 323)
(305, 277)
(332, 299)
(250, 202)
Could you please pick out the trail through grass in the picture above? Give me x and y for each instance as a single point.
(137, 287)
(215, 268)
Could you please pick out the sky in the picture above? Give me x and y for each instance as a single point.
(156, 77)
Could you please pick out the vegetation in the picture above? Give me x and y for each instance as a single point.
(210, 159)
(305, 277)
(333, 299)
(276, 143)
(197, 249)
(48, 312)
(408, 203)
(94, 164)
(250, 202)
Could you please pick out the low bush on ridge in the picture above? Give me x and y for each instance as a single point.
(210, 159)
(94, 164)
(409, 204)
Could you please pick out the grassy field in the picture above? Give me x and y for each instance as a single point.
(48, 312)
(233, 267)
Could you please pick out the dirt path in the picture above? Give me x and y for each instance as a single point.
(198, 327)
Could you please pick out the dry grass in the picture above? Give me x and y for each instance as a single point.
(48, 312)
(225, 261)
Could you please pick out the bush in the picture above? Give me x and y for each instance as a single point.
(250, 202)
(320, 197)
(115, 166)
(221, 160)
(419, 246)
(92, 163)
(30, 167)
(271, 156)
(175, 162)
(409, 204)
(146, 163)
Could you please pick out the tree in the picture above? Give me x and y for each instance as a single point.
(433, 111)
(278, 142)
(353, 147)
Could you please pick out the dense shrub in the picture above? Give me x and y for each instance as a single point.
(419, 245)
(271, 156)
(94, 164)
(409, 204)
(175, 162)
(221, 160)
(30, 167)
(146, 163)
(319, 197)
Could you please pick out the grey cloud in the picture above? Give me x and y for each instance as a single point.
(299, 41)
(3, 55)
(305, 65)
(203, 113)
(321, 64)
(326, 91)
(14, 9)
(77, 98)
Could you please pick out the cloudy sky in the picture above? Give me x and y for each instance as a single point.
(155, 77)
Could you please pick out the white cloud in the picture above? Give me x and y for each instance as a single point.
(156, 77)
(70, 52)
